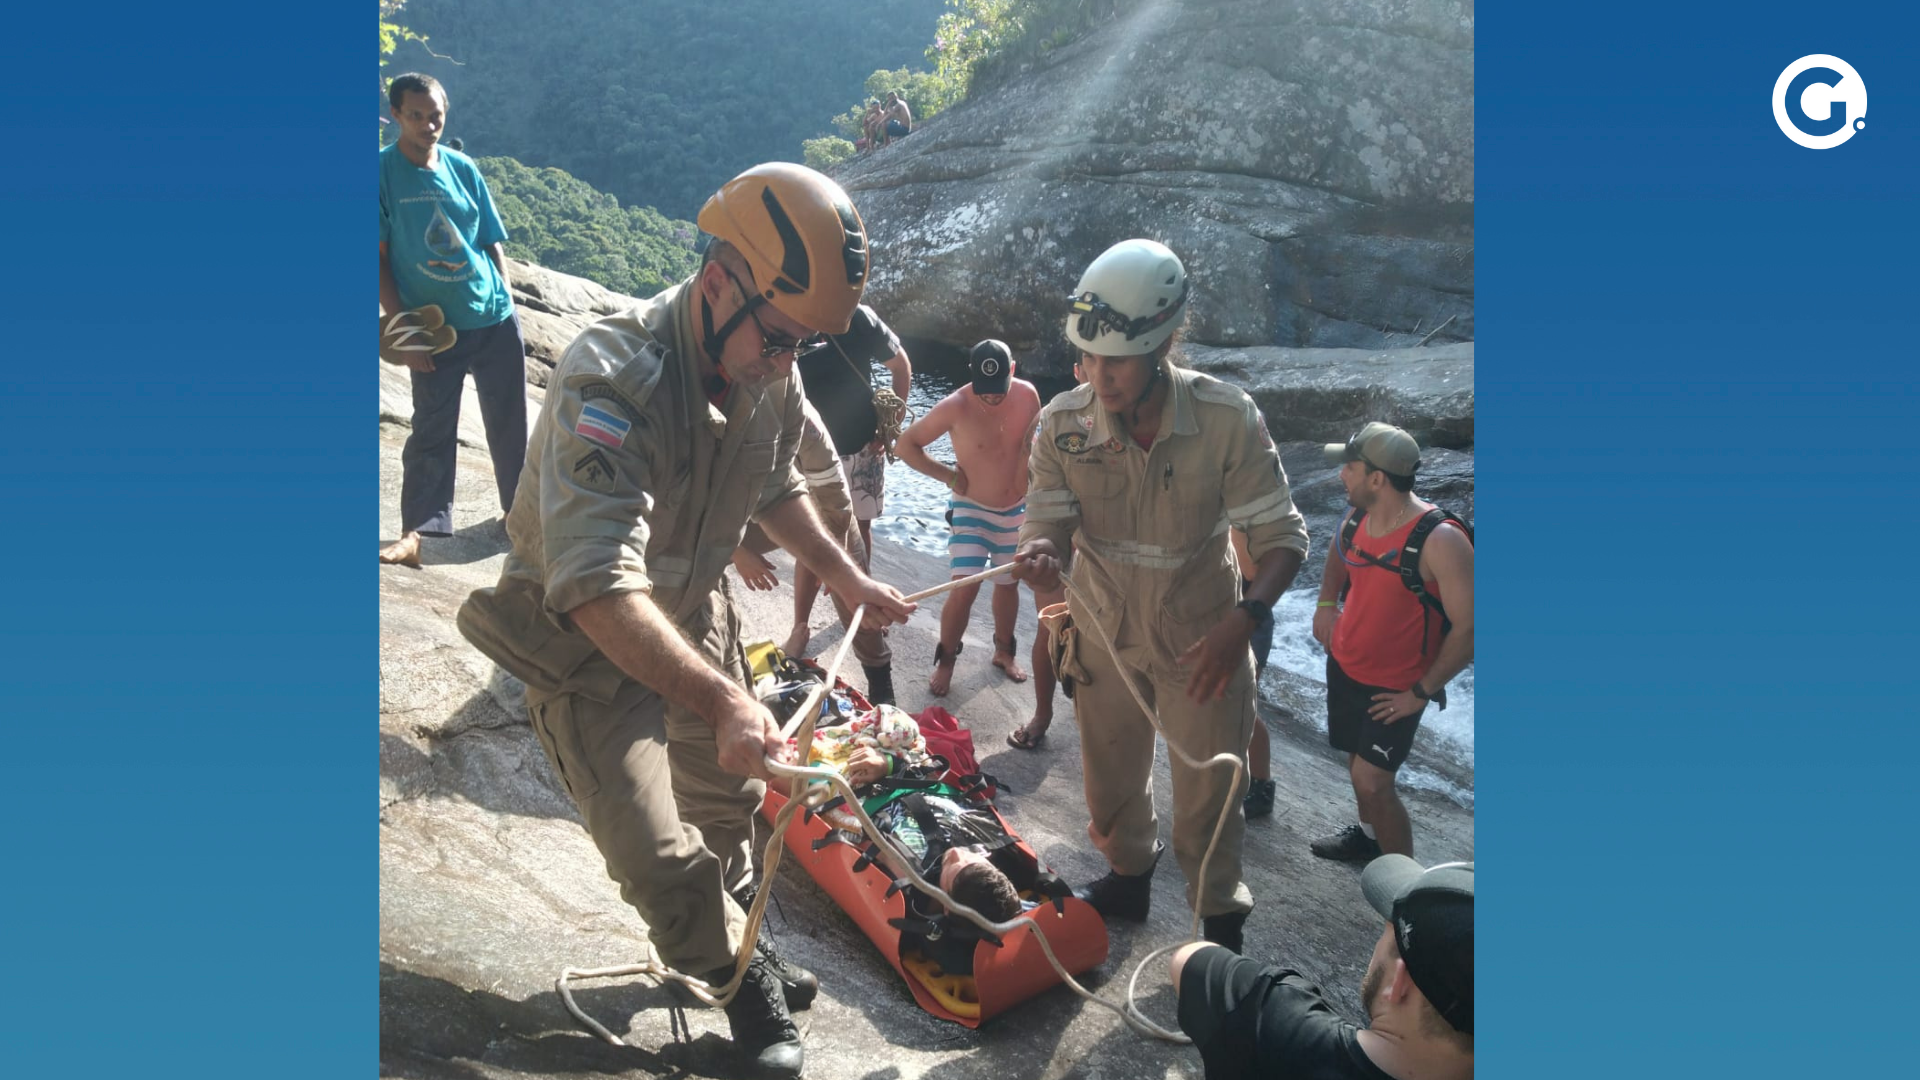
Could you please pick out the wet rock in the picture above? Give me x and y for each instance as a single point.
(1310, 161)
(1328, 394)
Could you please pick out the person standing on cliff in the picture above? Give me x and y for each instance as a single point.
(666, 428)
(1144, 469)
(838, 382)
(441, 246)
(991, 422)
(1389, 652)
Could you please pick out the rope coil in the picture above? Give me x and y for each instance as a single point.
(894, 417)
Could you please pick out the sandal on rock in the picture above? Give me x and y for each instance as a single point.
(1020, 740)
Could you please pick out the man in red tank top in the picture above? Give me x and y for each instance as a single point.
(1387, 653)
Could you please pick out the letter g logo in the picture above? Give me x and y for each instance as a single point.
(1820, 101)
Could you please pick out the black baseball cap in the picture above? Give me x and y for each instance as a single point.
(991, 363)
(1431, 909)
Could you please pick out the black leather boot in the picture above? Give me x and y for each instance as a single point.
(1224, 930)
(1123, 896)
(762, 1029)
(798, 986)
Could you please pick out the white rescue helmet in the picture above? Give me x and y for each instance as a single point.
(1129, 300)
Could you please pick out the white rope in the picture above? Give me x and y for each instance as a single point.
(805, 793)
(957, 582)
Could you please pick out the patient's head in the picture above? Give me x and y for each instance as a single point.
(967, 876)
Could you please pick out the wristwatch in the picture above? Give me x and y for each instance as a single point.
(1421, 691)
(1259, 609)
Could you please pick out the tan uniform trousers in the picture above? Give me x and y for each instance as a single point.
(675, 828)
(1116, 754)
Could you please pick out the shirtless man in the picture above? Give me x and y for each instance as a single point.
(991, 422)
(899, 117)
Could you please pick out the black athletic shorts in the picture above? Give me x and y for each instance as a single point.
(1351, 726)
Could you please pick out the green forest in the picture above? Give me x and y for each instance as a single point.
(617, 109)
(656, 103)
(560, 222)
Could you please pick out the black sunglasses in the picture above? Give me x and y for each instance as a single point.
(772, 344)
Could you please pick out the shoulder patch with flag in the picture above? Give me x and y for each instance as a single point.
(602, 426)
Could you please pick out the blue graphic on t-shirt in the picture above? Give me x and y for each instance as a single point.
(437, 225)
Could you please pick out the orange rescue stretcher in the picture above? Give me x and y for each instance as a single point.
(1004, 975)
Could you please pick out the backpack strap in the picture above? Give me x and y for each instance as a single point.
(1410, 554)
(1410, 574)
(1349, 526)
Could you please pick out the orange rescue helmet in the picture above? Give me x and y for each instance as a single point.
(802, 238)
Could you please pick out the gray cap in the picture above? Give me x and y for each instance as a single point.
(1431, 909)
(1382, 446)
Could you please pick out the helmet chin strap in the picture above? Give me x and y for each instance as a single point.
(713, 341)
(1145, 392)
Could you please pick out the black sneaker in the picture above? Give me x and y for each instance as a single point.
(762, 1030)
(1123, 896)
(798, 986)
(1224, 930)
(1351, 844)
(1259, 799)
(879, 684)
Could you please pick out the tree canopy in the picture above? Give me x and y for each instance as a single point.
(560, 222)
(656, 103)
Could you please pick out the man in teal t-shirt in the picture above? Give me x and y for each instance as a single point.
(440, 243)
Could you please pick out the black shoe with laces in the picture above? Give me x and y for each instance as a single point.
(1224, 930)
(798, 986)
(763, 1031)
(879, 684)
(1351, 844)
(1123, 896)
(1259, 799)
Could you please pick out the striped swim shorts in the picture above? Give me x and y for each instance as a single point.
(982, 536)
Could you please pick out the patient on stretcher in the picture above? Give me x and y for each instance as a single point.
(953, 839)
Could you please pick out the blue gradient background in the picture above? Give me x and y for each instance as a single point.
(1696, 390)
(186, 438)
(1696, 394)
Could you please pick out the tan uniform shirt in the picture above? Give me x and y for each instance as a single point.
(819, 465)
(634, 482)
(1149, 527)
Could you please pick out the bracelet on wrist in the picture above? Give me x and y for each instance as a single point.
(1327, 604)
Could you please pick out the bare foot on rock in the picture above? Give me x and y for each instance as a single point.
(942, 678)
(796, 642)
(1009, 663)
(403, 552)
